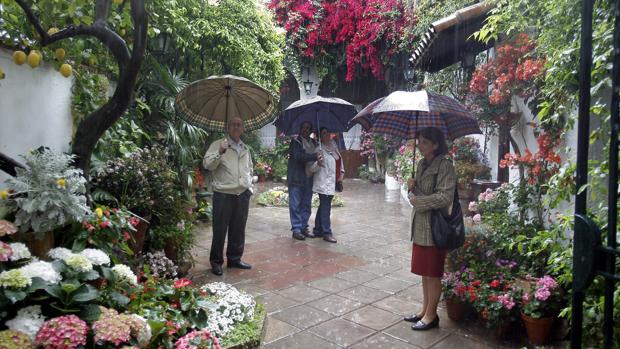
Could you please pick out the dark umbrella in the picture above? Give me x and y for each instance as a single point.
(334, 114)
(403, 114)
(209, 103)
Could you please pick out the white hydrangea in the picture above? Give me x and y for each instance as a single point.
(28, 321)
(144, 335)
(59, 253)
(20, 251)
(43, 270)
(227, 307)
(95, 256)
(79, 263)
(123, 272)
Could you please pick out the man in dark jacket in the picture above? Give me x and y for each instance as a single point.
(300, 152)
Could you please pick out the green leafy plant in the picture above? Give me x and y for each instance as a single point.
(49, 193)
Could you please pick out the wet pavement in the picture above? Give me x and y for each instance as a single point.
(352, 294)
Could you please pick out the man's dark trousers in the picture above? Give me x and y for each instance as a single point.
(230, 213)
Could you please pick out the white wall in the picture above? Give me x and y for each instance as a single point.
(35, 108)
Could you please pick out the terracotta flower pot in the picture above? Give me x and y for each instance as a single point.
(137, 243)
(262, 179)
(38, 247)
(456, 309)
(538, 330)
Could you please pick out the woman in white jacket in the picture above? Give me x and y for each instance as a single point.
(325, 177)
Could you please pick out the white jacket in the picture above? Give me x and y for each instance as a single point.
(324, 180)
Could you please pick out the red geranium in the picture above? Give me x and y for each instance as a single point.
(182, 283)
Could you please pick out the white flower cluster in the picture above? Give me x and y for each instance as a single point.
(160, 265)
(28, 321)
(95, 256)
(144, 334)
(20, 251)
(227, 307)
(43, 270)
(79, 263)
(124, 273)
(60, 253)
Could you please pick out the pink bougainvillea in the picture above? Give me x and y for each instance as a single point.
(366, 30)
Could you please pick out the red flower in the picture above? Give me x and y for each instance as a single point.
(494, 283)
(126, 236)
(182, 283)
(104, 224)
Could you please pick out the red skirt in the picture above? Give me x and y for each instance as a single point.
(428, 260)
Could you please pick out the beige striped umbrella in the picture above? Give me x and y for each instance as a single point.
(210, 102)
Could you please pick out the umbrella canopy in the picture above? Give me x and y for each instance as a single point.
(333, 113)
(209, 103)
(402, 114)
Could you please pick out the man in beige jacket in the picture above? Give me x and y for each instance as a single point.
(230, 164)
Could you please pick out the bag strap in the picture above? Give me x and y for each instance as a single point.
(454, 199)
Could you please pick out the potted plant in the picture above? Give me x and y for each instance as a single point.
(539, 308)
(47, 194)
(457, 290)
(262, 170)
(496, 304)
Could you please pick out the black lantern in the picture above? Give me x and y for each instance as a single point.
(409, 74)
(308, 84)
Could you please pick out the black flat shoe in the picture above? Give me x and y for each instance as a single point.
(217, 269)
(421, 326)
(239, 265)
(329, 238)
(413, 318)
(298, 236)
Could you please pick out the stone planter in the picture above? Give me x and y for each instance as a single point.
(391, 183)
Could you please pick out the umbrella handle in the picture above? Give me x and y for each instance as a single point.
(318, 128)
(415, 146)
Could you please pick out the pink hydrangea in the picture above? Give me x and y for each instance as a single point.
(63, 332)
(112, 329)
(197, 340)
(5, 252)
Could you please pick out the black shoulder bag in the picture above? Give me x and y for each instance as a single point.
(448, 230)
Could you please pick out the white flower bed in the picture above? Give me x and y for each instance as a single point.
(227, 307)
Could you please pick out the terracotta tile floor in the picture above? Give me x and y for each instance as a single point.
(351, 294)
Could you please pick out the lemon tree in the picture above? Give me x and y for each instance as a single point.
(80, 32)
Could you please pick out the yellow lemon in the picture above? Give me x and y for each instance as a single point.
(60, 54)
(122, 32)
(2, 75)
(4, 194)
(66, 70)
(34, 59)
(99, 212)
(118, 2)
(61, 182)
(52, 31)
(19, 57)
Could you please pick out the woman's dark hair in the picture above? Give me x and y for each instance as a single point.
(436, 136)
(321, 130)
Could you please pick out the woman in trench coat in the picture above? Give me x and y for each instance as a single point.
(432, 188)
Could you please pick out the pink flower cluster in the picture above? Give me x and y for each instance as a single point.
(5, 252)
(507, 301)
(544, 286)
(487, 195)
(197, 340)
(64, 332)
(112, 328)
